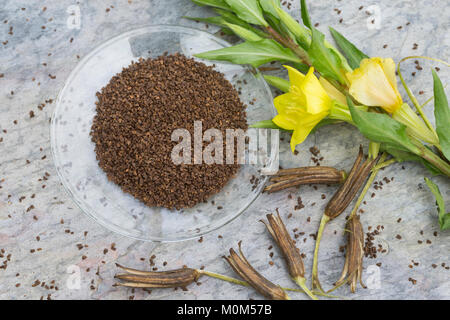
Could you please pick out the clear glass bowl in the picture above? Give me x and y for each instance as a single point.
(73, 150)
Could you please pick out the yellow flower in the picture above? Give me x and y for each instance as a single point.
(374, 84)
(303, 107)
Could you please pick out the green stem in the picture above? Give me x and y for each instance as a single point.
(289, 44)
(337, 286)
(222, 277)
(427, 102)
(245, 284)
(429, 99)
(434, 159)
(411, 95)
(367, 186)
(322, 294)
(384, 164)
(315, 270)
(374, 149)
(302, 284)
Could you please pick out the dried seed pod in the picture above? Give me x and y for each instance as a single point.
(242, 267)
(306, 175)
(353, 266)
(284, 241)
(307, 171)
(335, 206)
(339, 202)
(359, 179)
(159, 279)
(290, 252)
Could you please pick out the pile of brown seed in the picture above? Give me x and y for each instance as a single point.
(138, 110)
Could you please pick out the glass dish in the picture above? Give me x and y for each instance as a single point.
(73, 150)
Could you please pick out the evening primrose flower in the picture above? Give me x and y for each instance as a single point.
(374, 84)
(303, 107)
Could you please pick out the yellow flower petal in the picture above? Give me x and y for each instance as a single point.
(289, 103)
(317, 99)
(304, 127)
(295, 79)
(298, 136)
(388, 66)
(285, 122)
(332, 92)
(373, 85)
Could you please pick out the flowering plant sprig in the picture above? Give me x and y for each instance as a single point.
(327, 85)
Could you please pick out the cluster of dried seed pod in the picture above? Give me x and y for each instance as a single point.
(287, 178)
(238, 262)
(340, 201)
(353, 267)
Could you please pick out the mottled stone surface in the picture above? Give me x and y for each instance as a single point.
(50, 240)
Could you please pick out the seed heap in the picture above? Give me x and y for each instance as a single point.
(138, 110)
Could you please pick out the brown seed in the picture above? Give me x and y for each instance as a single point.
(138, 110)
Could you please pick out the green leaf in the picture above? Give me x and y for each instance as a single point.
(227, 31)
(254, 53)
(305, 15)
(269, 6)
(248, 10)
(211, 20)
(212, 3)
(300, 33)
(402, 156)
(444, 217)
(324, 59)
(278, 83)
(303, 68)
(266, 124)
(243, 33)
(442, 115)
(381, 128)
(350, 51)
(230, 17)
(274, 22)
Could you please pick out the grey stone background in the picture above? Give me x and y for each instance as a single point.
(43, 236)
